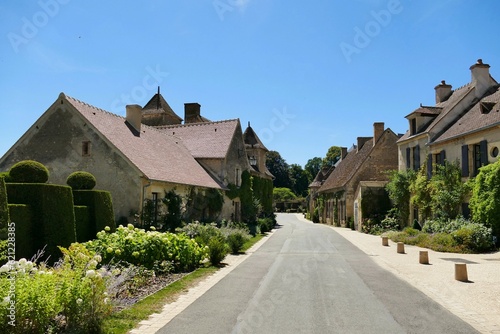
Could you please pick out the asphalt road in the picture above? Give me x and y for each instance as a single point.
(308, 279)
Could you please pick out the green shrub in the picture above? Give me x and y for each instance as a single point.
(24, 224)
(100, 210)
(81, 181)
(474, 238)
(265, 224)
(53, 214)
(202, 233)
(151, 249)
(217, 250)
(235, 238)
(4, 210)
(29, 171)
(5, 176)
(84, 232)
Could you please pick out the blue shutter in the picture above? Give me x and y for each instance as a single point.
(483, 149)
(443, 156)
(408, 161)
(417, 157)
(465, 160)
(429, 165)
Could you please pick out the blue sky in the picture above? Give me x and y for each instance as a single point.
(306, 75)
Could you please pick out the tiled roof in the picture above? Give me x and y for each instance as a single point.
(426, 110)
(251, 138)
(477, 118)
(158, 156)
(205, 140)
(321, 177)
(158, 104)
(347, 167)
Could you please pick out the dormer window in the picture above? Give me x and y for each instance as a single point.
(413, 126)
(486, 107)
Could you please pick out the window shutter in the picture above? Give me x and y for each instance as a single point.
(465, 160)
(408, 154)
(417, 157)
(429, 165)
(443, 156)
(483, 149)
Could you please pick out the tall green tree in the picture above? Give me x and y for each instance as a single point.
(447, 190)
(313, 166)
(300, 180)
(398, 189)
(485, 199)
(332, 156)
(279, 168)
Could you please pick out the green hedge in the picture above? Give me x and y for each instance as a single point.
(100, 209)
(22, 216)
(29, 171)
(53, 214)
(4, 210)
(83, 224)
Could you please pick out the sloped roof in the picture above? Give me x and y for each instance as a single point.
(209, 140)
(154, 153)
(347, 167)
(321, 176)
(251, 138)
(426, 111)
(446, 106)
(157, 105)
(476, 118)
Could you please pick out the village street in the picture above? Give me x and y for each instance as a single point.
(308, 279)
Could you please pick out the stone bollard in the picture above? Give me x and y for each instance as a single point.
(385, 241)
(424, 257)
(461, 272)
(401, 247)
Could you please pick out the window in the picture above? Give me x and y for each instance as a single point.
(416, 157)
(475, 156)
(494, 152)
(85, 148)
(413, 126)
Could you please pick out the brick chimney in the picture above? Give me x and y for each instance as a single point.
(378, 130)
(343, 152)
(480, 77)
(134, 116)
(443, 91)
(361, 142)
(192, 112)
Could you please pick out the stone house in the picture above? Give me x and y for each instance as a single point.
(462, 126)
(361, 172)
(133, 160)
(316, 184)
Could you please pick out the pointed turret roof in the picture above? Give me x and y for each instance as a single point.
(251, 138)
(158, 105)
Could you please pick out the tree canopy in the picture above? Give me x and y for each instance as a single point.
(332, 156)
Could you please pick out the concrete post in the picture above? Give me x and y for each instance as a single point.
(461, 272)
(401, 247)
(424, 257)
(385, 241)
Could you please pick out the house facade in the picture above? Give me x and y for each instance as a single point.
(360, 172)
(135, 161)
(463, 126)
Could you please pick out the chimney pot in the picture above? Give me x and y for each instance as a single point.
(134, 116)
(443, 92)
(480, 77)
(343, 152)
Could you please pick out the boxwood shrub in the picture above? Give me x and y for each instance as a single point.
(83, 225)
(53, 214)
(29, 171)
(22, 216)
(81, 181)
(4, 210)
(100, 209)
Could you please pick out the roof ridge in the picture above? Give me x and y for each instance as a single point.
(93, 107)
(195, 124)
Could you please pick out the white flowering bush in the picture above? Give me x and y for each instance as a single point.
(161, 251)
(70, 297)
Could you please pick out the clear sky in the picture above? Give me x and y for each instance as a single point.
(307, 75)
